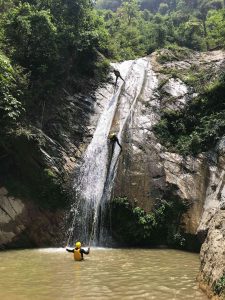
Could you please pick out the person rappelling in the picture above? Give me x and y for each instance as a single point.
(113, 140)
(78, 251)
(117, 74)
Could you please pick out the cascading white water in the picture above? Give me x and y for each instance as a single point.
(97, 170)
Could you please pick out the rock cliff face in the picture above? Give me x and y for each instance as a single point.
(24, 224)
(147, 171)
(211, 229)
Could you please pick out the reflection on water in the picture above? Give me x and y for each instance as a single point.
(105, 274)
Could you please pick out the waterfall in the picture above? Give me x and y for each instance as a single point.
(97, 170)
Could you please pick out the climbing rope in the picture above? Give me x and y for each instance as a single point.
(92, 233)
(74, 218)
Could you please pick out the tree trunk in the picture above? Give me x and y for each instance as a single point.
(205, 33)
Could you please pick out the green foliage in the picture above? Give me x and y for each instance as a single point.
(56, 43)
(31, 35)
(50, 45)
(189, 34)
(219, 286)
(49, 174)
(216, 28)
(198, 25)
(126, 40)
(11, 85)
(175, 238)
(199, 126)
(133, 226)
(5, 5)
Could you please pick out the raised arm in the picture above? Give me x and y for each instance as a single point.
(69, 249)
(82, 250)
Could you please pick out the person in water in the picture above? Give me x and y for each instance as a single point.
(117, 74)
(78, 251)
(114, 139)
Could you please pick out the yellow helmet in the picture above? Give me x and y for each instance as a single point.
(112, 135)
(78, 244)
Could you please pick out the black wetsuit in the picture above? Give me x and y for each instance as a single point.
(82, 251)
(117, 74)
(114, 140)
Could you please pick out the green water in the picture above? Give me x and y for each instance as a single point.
(105, 274)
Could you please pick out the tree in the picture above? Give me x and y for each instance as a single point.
(55, 39)
(163, 8)
(12, 82)
(160, 32)
(31, 35)
(204, 7)
(190, 34)
(215, 24)
(129, 10)
(5, 5)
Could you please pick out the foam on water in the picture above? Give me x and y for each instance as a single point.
(51, 250)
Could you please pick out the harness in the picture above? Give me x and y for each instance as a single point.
(77, 255)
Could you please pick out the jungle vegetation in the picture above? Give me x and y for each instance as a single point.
(139, 27)
(47, 45)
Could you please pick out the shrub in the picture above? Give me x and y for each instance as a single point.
(133, 226)
(11, 80)
(199, 126)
